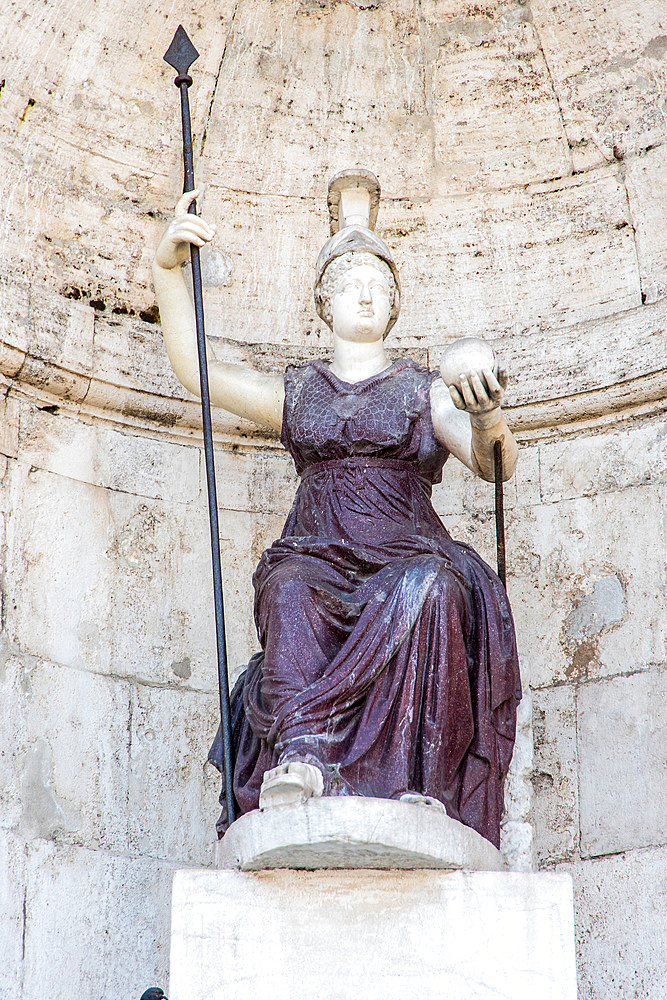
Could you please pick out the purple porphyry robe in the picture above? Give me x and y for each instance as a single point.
(388, 650)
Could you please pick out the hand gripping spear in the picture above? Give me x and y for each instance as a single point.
(180, 55)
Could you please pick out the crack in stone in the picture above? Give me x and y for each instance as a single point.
(633, 226)
(214, 93)
(553, 88)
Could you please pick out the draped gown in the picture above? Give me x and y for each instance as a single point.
(388, 651)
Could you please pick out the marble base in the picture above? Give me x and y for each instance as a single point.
(354, 833)
(380, 935)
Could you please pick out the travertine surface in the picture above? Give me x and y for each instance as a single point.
(331, 935)
(522, 151)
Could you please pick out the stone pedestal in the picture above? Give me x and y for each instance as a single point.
(376, 935)
(354, 833)
(353, 924)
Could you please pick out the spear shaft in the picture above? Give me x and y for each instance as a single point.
(181, 54)
(500, 511)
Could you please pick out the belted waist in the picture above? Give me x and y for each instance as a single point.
(361, 462)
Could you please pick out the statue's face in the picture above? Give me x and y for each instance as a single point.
(360, 305)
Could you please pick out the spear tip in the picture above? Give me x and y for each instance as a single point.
(181, 53)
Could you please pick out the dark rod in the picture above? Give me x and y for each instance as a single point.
(500, 511)
(181, 54)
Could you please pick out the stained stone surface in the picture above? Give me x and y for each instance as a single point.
(521, 147)
(310, 935)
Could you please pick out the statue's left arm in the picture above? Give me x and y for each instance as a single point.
(468, 420)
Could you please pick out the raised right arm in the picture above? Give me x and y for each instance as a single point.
(240, 390)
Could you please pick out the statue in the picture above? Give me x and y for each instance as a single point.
(388, 662)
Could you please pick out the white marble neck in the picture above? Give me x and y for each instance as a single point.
(354, 361)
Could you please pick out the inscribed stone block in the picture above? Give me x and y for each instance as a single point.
(622, 742)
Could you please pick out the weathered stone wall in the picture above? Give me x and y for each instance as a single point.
(522, 149)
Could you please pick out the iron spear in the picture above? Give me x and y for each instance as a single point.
(500, 511)
(180, 55)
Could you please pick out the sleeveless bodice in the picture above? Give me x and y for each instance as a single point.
(366, 452)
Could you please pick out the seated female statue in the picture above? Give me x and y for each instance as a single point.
(388, 661)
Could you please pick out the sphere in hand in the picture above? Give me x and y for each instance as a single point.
(470, 354)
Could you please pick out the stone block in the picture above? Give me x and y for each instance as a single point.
(9, 426)
(258, 481)
(556, 371)
(64, 767)
(173, 792)
(555, 803)
(54, 529)
(622, 741)
(621, 931)
(130, 352)
(14, 320)
(354, 832)
(496, 120)
(567, 557)
(646, 180)
(12, 731)
(516, 831)
(267, 305)
(12, 896)
(608, 70)
(98, 454)
(543, 257)
(296, 102)
(55, 203)
(243, 538)
(107, 581)
(592, 464)
(61, 329)
(97, 924)
(335, 934)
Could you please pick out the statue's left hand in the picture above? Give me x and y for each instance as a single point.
(479, 392)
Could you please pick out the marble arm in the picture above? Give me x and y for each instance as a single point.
(242, 391)
(470, 436)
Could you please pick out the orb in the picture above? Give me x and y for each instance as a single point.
(470, 354)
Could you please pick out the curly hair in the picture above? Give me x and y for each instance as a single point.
(327, 284)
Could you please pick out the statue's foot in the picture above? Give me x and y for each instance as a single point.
(423, 800)
(290, 784)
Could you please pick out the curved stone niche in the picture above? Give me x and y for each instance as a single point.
(562, 381)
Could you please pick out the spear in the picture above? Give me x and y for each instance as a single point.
(180, 55)
(500, 511)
